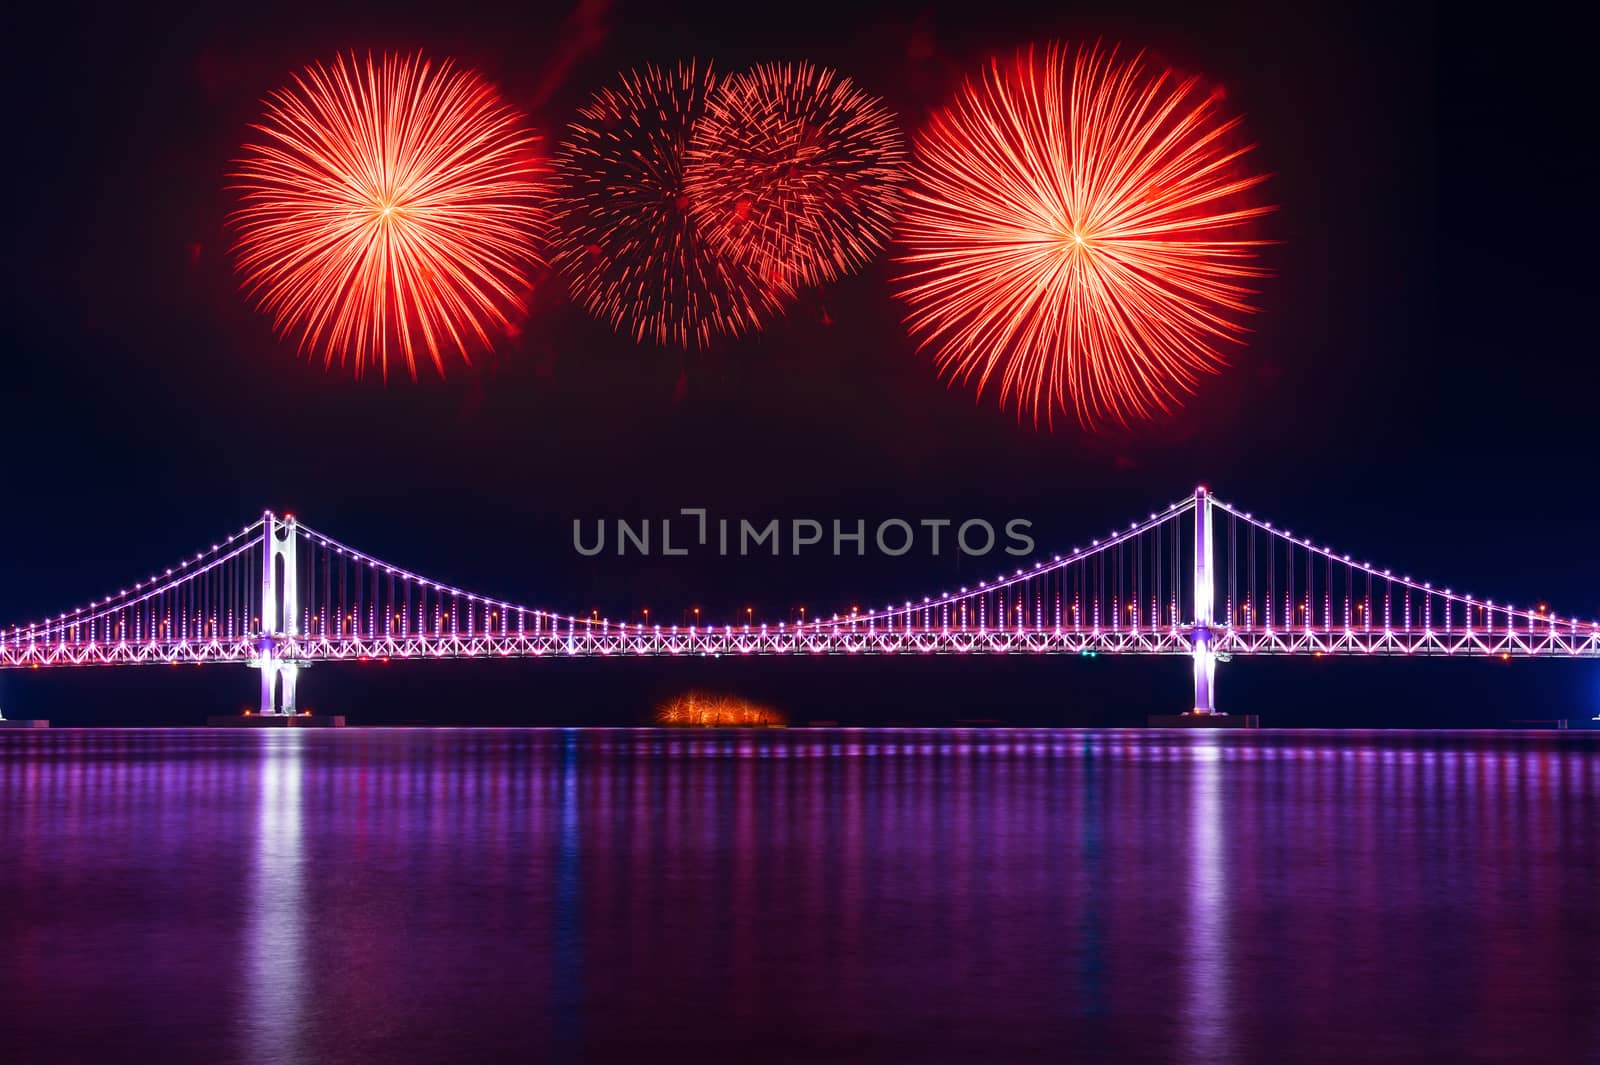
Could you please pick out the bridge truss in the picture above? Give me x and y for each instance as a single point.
(1200, 578)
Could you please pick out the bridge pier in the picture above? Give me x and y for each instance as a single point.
(280, 613)
(1205, 675)
(278, 682)
(278, 707)
(1205, 659)
(269, 688)
(280, 623)
(1204, 713)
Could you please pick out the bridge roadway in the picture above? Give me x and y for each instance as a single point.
(611, 640)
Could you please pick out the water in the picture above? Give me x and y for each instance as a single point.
(857, 896)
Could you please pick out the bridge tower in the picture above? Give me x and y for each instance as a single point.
(280, 614)
(1205, 657)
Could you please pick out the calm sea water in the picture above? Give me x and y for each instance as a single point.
(789, 896)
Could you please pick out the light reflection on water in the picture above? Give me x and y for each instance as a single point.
(1206, 998)
(272, 1010)
(893, 895)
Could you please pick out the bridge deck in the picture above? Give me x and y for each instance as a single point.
(619, 641)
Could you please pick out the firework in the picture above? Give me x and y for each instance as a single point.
(795, 171)
(1077, 235)
(703, 710)
(387, 207)
(626, 244)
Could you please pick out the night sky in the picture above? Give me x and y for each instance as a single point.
(1420, 388)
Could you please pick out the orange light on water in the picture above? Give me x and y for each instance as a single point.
(703, 710)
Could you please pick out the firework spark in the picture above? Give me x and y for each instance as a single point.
(630, 252)
(704, 710)
(1077, 234)
(388, 206)
(796, 171)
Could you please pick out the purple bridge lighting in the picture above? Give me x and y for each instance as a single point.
(1201, 579)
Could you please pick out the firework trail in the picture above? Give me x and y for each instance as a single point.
(387, 206)
(1078, 235)
(626, 243)
(796, 171)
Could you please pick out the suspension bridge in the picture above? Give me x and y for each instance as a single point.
(1201, 578)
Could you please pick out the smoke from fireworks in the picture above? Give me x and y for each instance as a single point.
(1077, 235)
(387, 206)
(795, 171)
(630, 252)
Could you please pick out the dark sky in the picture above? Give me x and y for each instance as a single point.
(1420, 389)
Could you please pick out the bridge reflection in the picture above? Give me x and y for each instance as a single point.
(272, 1010)
(1006, 895)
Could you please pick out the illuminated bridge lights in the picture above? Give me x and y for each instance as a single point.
(1266, 593)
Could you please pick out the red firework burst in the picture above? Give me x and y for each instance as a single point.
(626, 244)
(390, 204)
(1078, 231)
(796, 171)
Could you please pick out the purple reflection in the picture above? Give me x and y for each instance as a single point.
(1207, 991)
(618, 896)
(272, 1010)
